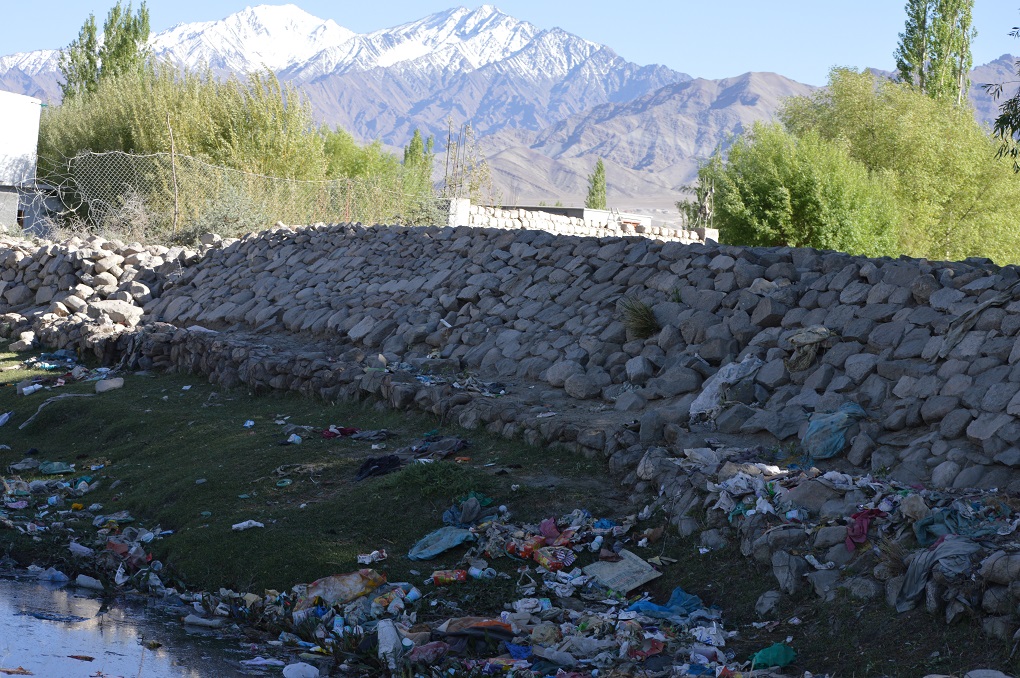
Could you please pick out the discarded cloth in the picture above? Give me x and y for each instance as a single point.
(857, 531)
(952, 552)
(945, 521)
(378, 466)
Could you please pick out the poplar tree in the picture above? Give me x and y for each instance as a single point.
(124, 48)
(934, 51)
(596, 199)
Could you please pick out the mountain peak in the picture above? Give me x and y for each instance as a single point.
(263, 36)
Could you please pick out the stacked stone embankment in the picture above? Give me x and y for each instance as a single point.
(929, 349)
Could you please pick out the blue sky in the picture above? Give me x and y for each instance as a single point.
(800, 39)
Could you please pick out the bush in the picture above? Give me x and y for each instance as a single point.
(257, 126)
(777, 189)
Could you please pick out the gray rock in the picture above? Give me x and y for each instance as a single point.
(714, 540)
(630, 402)
(639, 370)
(859, 367)
(824, 583)
(955, 423)
(986, 425)
(943, 475)
(768, 313)
(559, 372)
(829, 536)
(767, 603)
(934, 409)
(811, 495)
(733, 418)
(120, 312)
(581, 386)
(789, 571)
(862, 588)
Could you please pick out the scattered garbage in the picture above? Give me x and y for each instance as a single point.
(373, 557)
(246, 525)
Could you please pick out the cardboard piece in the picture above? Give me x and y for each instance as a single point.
(623, 576)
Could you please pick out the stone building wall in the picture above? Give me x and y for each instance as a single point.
(596, 223)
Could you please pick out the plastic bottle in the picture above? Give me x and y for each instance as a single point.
(389, 643)
(478, 573)
(446, 577)
(596, 544)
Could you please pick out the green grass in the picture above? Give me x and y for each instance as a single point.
(157, 439)
(639, 318)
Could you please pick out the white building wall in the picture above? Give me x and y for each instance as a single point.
(19, 138)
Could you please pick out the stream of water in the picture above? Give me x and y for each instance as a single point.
(43, 626)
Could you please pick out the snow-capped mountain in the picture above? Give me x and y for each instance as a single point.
(458, 38)
(267, 36)
(31, 63)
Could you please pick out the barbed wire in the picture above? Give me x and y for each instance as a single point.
(165, 196)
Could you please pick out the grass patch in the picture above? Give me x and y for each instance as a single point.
(639, 318)
(176, 454)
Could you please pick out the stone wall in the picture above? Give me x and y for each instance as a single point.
(594, 223)
(929, 349)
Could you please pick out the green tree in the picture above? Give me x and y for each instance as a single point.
(596, 199)
(955, 199)
(1006, 127)
(776, 189)
(124, 48)
(934, 51)
(419, 161)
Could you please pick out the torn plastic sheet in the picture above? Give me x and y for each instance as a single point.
(709, 404)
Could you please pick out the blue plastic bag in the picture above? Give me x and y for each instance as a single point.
(826, 433)
(680, 605)
(443, 539)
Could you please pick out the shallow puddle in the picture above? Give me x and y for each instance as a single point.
(61, 631)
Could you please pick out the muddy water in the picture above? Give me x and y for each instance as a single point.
(42, 625)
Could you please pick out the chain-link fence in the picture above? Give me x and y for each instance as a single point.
(173, 197)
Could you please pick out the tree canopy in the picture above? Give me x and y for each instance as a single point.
(122, 49)
(596, 199)
(934, 50)
(869, 166)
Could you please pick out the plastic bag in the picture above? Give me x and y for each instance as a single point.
(826, 433)
(342, 588)
(708, 404)
(443, 539)
(778, 654)
(680, 605)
